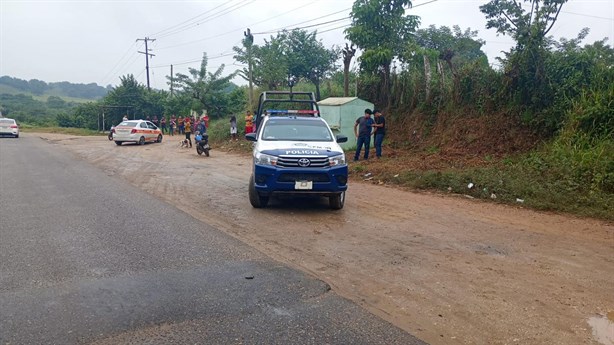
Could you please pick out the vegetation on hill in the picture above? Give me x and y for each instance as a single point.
(37, 87)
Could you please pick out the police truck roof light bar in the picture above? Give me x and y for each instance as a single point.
(292, 112)
(278, 111)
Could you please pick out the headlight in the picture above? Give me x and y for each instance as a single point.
(264, 159)
(337, 160)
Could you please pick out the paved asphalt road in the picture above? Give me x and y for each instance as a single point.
(88, 258)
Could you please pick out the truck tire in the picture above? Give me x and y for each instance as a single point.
(255, 198)
(337, 201)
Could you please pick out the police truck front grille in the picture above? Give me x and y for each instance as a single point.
(287, 177)
(303, 162)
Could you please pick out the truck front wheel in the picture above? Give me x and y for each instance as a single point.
(337, 201)
(255, 198)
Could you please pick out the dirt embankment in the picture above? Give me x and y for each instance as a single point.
(446, 269)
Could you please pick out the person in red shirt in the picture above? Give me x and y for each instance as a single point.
(249, 122)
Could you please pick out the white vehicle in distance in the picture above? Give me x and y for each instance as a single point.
(136, 131)
(9, 127)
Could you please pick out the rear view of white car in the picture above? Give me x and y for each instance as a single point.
(9, 127)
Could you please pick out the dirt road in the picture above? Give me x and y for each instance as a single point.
(447, 269)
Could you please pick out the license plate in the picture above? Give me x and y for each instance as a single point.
(303, 185)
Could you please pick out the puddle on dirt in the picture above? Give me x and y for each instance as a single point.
(603, 328)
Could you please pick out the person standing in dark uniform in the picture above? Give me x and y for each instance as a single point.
(363, 129)
(380, 132)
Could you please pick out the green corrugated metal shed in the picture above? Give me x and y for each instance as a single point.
(341, 113)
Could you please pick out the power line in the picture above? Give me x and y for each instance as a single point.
(183, 26)
(324, 23)
(162, 32)
(302, 27)
(193, 61)
(243, 27)
(105, 78)
(424, 3)
(128, 65)
(588, 15)
(339, 27)
(211, 17)
(310, 20)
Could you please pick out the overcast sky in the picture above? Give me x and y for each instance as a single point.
(89, 41)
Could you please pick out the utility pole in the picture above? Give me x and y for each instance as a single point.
(171, 80)
(147, 54)
(249, 41)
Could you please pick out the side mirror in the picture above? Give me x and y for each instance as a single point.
(250, 137)
(341, 138)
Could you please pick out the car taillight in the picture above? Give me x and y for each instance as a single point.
(133, 131)
(113, 130)
(13, 126)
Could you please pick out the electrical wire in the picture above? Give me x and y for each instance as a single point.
(190, 19)
(108, 76)
(588, 15)
(307, 21)
(293, 26)
(302, 27)
(211, 17)
(339, 27)
(179, 28)
(193, 61)
(243, 28)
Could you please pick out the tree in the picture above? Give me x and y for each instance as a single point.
(454, 46)
(37, 87)
(509, 17)
(245, 55)
(128, 96)
(307, 57)
(271, 68)
(55, 102)
(381, 29)
(348, 54)
(209, 90)
(528, 26)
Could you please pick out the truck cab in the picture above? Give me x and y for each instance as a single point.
(295, 152)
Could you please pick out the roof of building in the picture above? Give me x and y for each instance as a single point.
(336, 100)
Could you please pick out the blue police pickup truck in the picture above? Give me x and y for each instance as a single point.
(295, 151)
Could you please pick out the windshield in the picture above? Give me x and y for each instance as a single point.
(129, 123)
(291, 129)
(7, 121)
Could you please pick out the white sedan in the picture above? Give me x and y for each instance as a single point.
(136, 131)
(9, 127)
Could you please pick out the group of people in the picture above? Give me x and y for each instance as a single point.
(364, 128)
(178, 125)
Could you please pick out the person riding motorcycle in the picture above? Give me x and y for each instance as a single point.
(202, 138)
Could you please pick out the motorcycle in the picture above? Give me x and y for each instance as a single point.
(111, 131)
(202, 144)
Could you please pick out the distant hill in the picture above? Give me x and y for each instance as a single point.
(41, 90)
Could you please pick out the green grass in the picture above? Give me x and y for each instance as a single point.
(219, 135)
(555, 178)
